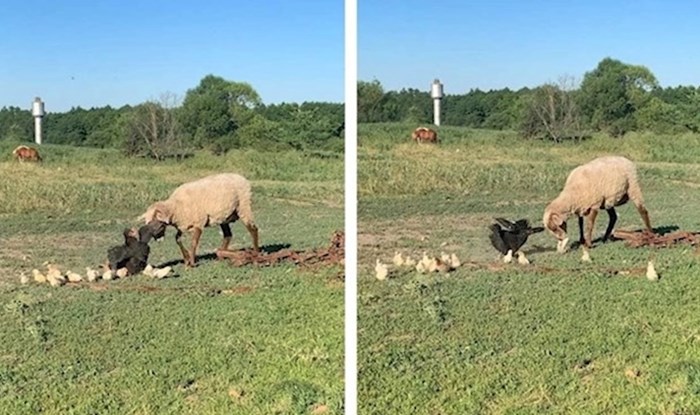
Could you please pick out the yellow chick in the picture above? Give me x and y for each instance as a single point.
(432, 264)
(162, 272)
(398, 259)
(54, 273)
(381, 270)
(442, 266)
(73, 276)
(23, 279)
(522, 260)
(108, 275)
(652, 275)
(55, 281)
(444, 257)
(122, 272)
(38, 276)
(420, 267)
(91, 274)
(409, 262)
(148, 271)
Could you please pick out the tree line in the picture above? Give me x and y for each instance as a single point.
(217, 115)
(613, 98)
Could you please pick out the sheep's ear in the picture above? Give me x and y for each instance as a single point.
(554, 221)
(163, 214)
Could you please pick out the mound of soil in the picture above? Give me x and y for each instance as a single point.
(333, 254)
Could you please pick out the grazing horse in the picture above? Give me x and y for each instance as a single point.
(424, 135)
(24, 153)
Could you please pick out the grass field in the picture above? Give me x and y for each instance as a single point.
(557, 336)
(214, 340)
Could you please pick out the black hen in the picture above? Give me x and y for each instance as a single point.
(133, 254)
(508, 237)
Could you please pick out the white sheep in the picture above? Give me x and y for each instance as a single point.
(603, 183)
(219, 199)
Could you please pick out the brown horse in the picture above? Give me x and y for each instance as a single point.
(24, 153)
(424, 135)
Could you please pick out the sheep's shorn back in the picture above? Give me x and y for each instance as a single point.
(213, 200)
(604, 183)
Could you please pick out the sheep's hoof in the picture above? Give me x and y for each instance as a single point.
(586, 257)
(561, 245)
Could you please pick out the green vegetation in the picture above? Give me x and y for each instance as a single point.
(215, 339)
(557, 336)
(614, 98)
(217, 115)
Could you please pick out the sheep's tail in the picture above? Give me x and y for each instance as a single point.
(537, 229)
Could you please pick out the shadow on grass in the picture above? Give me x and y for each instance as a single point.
(661, 230)
(267, 249)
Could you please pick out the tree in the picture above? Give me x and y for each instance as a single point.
(552, 113)
(215, 109)
(611, 94)
(369, 100)
(153, 130)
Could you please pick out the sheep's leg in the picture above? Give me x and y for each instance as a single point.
(226, 229)
(253, 230)
(183, 250)
(580, 231)
(196, 234)
(588, 236)
(645, 217)
(611, 224)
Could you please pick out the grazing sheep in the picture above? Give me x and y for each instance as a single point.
(24, 153)
(603, 183)
(508, 237)
(424, 135)
(219, 199)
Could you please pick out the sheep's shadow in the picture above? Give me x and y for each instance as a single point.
(266, 249)
(539, 249)
(661, 230)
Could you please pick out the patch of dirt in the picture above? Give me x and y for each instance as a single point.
(637, 239)
(334, 254)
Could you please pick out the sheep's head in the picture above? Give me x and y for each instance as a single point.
(154, 229)
(555, 223)
(159, 211)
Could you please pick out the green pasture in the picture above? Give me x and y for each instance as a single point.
(557, 336)
(215, 339)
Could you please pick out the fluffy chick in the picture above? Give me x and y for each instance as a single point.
(381, 270)
(652, 275)
(91, 275)
(38, 276)
(398, 259)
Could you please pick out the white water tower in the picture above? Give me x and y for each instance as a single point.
(436, 94)
(38, 113)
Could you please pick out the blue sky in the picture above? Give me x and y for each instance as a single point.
(91, 54)
(497, 44)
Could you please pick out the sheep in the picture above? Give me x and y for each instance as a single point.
(220, 199)
(603, 183)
